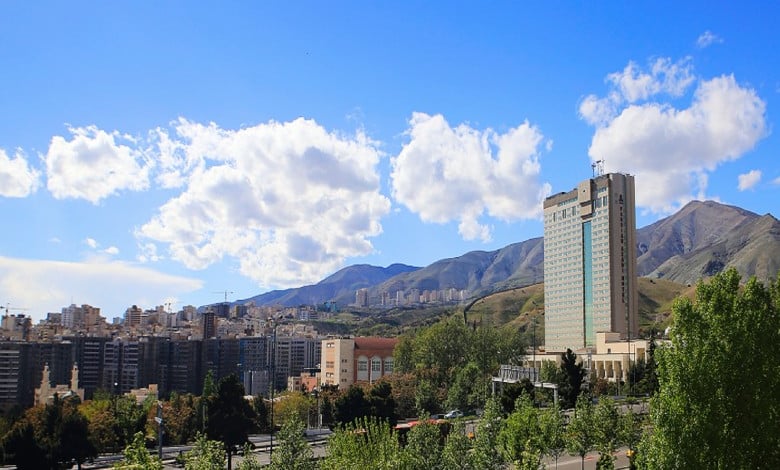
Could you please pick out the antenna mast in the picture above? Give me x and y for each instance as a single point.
(598, 168)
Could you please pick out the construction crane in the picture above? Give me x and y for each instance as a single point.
(226, 292)
(8, 308)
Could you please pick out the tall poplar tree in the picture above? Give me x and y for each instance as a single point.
(719, 381)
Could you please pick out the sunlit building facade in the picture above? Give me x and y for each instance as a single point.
(590, 263)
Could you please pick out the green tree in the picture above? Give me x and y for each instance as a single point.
(441, 348)
(630, 429)
(381, 403)
(351, 406)
(469, 389)
(20, 447)
(137, 457)
(230, 416)
(573, 376)
(74, 442)
(607, 432)
(717, 404)
(365, 444)
(521, 432)
(485, 456)
(456, 454)
(425, 400)
(512, 391)
(403, 354)
(261, 414)
(293, 452)
(206, 454)
(423, 446)
(581, 433)
(553, 432)
(249, 462)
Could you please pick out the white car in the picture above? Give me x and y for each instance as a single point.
(454, 414)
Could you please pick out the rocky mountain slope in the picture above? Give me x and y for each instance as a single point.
(699, 240)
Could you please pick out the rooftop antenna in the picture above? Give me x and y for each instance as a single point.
(598, 168)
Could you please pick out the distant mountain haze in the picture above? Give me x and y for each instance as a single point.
(700, 240)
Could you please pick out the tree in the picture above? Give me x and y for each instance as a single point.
(293, 452)
(521, 433)
(553, 432)
(630, 429)
(136, 456)
(469, 388)
(365, 444)
(425, 400)
(74, 443)
(456, 454)
(206, 454)
(351, 405)
(512, 391)
(423, 446)
(381, 403)
(292, 405)
(230, 417)
(717, 405)
(403, 354)
(607, 432)
(485, 456)
(580, 433)
(261, 414)
(573, 376)
(20, 447)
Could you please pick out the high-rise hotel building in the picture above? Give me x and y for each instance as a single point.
(590, 262)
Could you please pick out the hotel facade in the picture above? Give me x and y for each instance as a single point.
(590, 263)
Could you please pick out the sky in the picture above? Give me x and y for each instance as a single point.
(184, 153)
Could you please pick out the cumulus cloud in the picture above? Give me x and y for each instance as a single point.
(749, 180)
(93, 164)
(91, 242)
(446, 174)
(111, 250)
(634, 84)
(672, 151)
(17, 177)
(47, 286)
(289, 201)
(707, 39)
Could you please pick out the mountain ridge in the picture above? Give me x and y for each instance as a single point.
(699, 240)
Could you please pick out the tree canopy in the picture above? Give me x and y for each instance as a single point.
(719, 380)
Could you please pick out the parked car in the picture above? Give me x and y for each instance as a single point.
(454, 414)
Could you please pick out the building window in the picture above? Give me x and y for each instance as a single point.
(376, 365)
(329, 364)
(388, 365)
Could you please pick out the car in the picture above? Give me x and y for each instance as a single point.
(454, 414)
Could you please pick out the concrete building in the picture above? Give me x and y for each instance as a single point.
(45, 393)
(590, 263)
(349, 360)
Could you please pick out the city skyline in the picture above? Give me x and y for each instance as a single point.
(154, 155)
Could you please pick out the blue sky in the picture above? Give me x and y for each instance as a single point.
(166, 152)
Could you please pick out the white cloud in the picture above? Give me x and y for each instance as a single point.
(17, 178)
(748, 180)
(776, 180)
(47, 286)
(671, 151)
(446, 174)
(91, 242)
(633, 84)
(93, 165)
(707, 39)
(111, 250)
(289, 201)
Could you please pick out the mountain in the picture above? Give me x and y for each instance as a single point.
(700, 240)
(477, 272)
(339, 286)
(752, 246)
